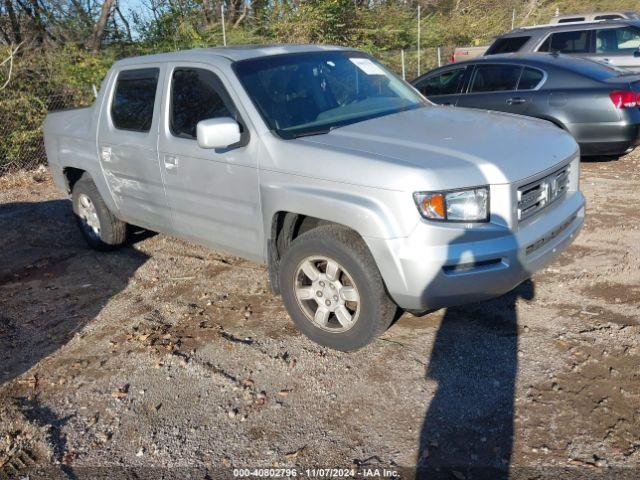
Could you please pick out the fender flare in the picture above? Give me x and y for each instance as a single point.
(365, 215)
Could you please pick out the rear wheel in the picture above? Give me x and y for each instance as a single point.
(99, 227)
(333, 290)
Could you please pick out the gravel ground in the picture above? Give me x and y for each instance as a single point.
(166, 359)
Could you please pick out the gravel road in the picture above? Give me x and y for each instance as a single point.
(169, 360)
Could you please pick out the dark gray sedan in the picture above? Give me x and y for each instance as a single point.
(597, 103)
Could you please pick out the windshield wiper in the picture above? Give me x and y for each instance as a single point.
(319, 131)
(310, 133)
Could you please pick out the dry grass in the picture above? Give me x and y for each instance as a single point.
(25, 178)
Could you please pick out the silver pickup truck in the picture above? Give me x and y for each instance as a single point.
(358, 194)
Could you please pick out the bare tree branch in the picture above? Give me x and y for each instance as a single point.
(9, 59)
(243, 15)
(125, 23)
(98, 30)
(15, 24)
(206, 9)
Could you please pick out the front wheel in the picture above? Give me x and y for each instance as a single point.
(101, 229)
(333, 290)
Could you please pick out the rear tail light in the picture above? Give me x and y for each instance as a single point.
(625, 98)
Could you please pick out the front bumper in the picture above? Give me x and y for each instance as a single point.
(474, 264)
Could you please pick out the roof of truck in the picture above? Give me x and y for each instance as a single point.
(233, 53)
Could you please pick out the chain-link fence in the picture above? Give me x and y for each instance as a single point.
(22, 113)
(430, 58)
(21, 117)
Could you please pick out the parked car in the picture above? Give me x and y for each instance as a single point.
(594, 16)
(358, 194)
(596, 103)
(613, 41)
(460, 54)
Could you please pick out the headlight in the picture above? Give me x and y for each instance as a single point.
(468, 205)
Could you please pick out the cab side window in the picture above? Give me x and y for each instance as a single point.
(133, 100)
(196, 94)
(495, 78)
(447, 83)
(567, 42)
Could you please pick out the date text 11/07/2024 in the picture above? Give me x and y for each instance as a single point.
(315, 472)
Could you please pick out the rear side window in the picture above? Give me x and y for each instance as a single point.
(135, 95)
(569, 20)
(608, 17)
(446, 83)
(617, 40)
(495, 78)
(567, 42)
(507, 45)
(196, 94)
(530, 78)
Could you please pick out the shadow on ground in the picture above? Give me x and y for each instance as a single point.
(468, 428)
(44, 258)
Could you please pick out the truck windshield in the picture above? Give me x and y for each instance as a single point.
(313, 93)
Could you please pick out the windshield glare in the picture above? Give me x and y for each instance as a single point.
(311, 93)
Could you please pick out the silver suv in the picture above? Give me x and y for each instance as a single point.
(359, 194)
(616, 42)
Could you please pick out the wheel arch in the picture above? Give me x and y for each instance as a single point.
(73, 171)
(71, 176)
(285, 227)
(291, 210)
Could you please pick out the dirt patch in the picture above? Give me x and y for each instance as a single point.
(614, 292)
(168, 355)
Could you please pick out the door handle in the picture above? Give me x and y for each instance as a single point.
(170, 163)
(516, 101)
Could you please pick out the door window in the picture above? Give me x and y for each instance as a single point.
(495, 78)
(446, 83)
(530, 78)
(135, 95)
(617, 40)
(567, 42)
(196, 94)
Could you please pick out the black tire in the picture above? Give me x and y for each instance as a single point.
(344, 246)
(112, 232)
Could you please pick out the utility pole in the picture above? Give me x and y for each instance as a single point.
(418, 40)
(404, 77)
(513, 19)
(224, 32)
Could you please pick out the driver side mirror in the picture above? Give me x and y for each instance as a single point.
(217, 132)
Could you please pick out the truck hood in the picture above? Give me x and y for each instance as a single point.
(451, 147)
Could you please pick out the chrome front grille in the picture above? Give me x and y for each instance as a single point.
(536, 196)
